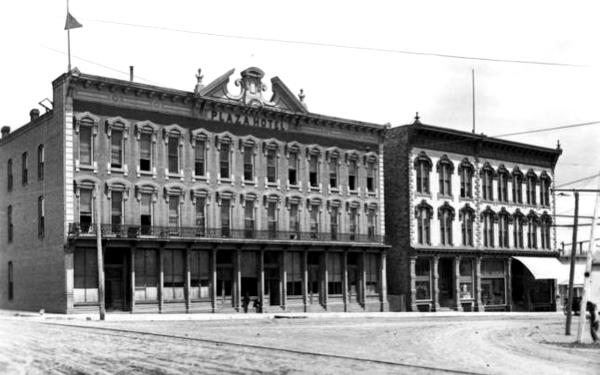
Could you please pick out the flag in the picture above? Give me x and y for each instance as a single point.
(71, 22)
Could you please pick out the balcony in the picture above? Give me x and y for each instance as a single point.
(132, 231)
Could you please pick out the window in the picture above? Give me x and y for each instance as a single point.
(466, 279)
(200, 216)
(293, 168)
(334, 222)
(545, 183)
(9, 175)
(249, 219)
(85, 210)
(173, 274)
(545, 225)
(493, 287)
(200, 275)
(503, 219)
(313, 170)
(294, 220)
(224, 273)
(86, 146)
(174, 217)
(85, 276)
(146, 152)
(314, 221)
(116, 149)
(446, 216)
(200, 158)
(314, 275)
(271, 166)
(293, 269)
(9, 221)
(272, 219)
(333, 172)
(352, 174)
(353, 223)
(146, 213)
(225, 217)
(173, 154)
(371, 173)
(532, 222)
(423, 279)
(372, 271)
(11, 289)
(40, 162)
(146, 275)
(531, 181)
(502, 184)
(248, 163)
(465, 170)
(487, 182)
(116, 210)
(423, 214)
(41, 217)
(24, 168)
(467, 216)
(224, 160)
(371, 222)
(445, 168)
(423, 167)
(488, 227)
(517, 186)
(334, 273)
(518, 224)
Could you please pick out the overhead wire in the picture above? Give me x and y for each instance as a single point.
(577, 181)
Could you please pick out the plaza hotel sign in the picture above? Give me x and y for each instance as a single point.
(254, 119)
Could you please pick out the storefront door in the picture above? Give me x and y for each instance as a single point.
(445, 284)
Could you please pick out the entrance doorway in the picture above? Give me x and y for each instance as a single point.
(445, 284)
(115, 280)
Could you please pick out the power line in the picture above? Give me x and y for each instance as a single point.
(342, 46)
(576, 181)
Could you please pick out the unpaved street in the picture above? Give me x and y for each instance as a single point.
(469, 344)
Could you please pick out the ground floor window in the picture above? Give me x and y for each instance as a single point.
(85, 271)
(466, 279)
(224, 273)
(423, 279)
(372, 270)
(146, 275)
(173, 273)
(314, 275)
(334, 273)
(293, 269)
(493, 282)
(200, 274)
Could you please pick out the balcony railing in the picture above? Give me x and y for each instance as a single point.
(141, 231)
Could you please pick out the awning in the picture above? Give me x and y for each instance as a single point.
(552, 268)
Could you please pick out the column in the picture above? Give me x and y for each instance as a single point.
(457, 283)
(345, 279)
(325, 274)
(261, 292)
(435, 287)
(509, 301)
(363, 279)
(305, 278)
(383, 280)
(413, 286)
(237, 281)
(161, 278)
(188, 278)
(478, 303)
(132, 286)
(213, 284)
(283, 277)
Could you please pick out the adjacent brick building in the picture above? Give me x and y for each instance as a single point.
(206, 199)
(469, 218)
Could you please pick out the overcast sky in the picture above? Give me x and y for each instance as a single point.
(358, 84)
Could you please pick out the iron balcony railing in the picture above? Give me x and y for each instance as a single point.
(141, 231)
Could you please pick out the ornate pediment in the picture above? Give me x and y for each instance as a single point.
(251, 91)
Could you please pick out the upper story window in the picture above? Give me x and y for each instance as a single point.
(545, 183)
(531, 182)
(9, 222)
(532, 224)
(248, 150)
(352, 174)
(272, 217)
(353, 221)
(173, 138)
(333, 169)
(173, 154)
(175, 197)
(503, 220)
(446, 217)
(41, 217)
(371, 174)
(487, 182)
(518, 223)
(423, 166)
(40, 162)
(116, 210)
(199, 142)
(224, 200)
(146, 212)
(545, 225)
(86, 146)
(145, 133)
(467, 217)
(423, 214)
(249, 218)
(517, 186)
(9, 174)
(24, 168)
(314, 206)
(465, 171)
(224, 150)
(271, 156)
(146, 152)
(503, 177)
(445, 168)
(371, 222)
(174, 211)
(488, 217)
(313, 168)
(294, 211)
(117, 130)
(86, 208)
(199, 198)
(334, 221)
(293, 167)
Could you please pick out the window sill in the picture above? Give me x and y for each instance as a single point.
(423, 195)
(445, 196)
(86, 167)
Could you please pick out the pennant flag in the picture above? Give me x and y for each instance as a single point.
(71, 22)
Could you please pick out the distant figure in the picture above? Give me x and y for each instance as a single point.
(257, 305)
(246, 302)
(591, 308)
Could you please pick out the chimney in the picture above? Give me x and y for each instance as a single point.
(34, 114)
(131, 73)
(5, 131)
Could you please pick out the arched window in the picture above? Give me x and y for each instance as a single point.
(467, 216)
(503, 220)
(532, 224)
(517, 185)
(423, 167)
(423, 213)
(465, 171)
(545, 183)
(503, 177)
(518, 223)
(545, 225)
(488, 217)
(446, 217)
(487, 182)
(531, 182)
(445, 168)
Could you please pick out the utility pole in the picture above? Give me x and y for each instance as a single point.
(572, 267)
(99, 256)
(588, 269)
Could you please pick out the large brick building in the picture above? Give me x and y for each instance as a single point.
(206, 199)
(469, 219)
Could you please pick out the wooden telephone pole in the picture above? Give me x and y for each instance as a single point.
(99, 256)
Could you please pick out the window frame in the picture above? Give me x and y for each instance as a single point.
(41, 217)
(40, 162)
(24, 168)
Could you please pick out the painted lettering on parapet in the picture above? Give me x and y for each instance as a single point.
(243, 119)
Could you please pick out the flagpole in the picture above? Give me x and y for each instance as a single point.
(68, 42)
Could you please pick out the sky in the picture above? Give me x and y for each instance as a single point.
(373, 83)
